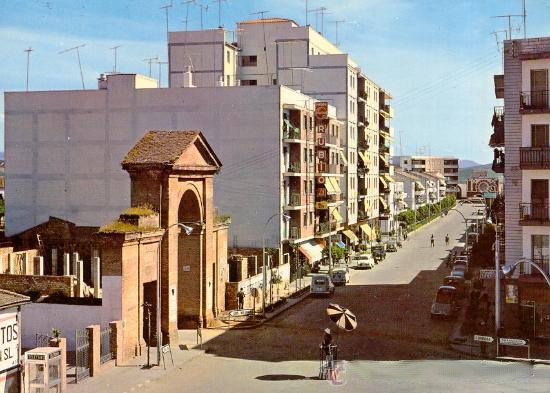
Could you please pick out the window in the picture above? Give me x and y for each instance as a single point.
(305, 187)
(305, 218)
(228, 55)
(249, 82)
(305, 122)
(228, 77)
(539, 135)
(311, 186)
(305, 155)
(274, 81)
(310, 218)
(540, 248)
(249, 61)
(310, 156)
(312, 51)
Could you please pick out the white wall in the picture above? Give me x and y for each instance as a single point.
(64, 148)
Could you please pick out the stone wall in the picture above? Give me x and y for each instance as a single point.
(46, 285)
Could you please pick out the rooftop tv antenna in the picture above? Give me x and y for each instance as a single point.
(509, 34)
(76, 48)
(322, 12)
(187, 4)
(262, 14)
(204, 8)
(219, 12)
(151, 60)
(160, 64)
(307, 11)
(336, 23)
(496, 34)
(28, 50)
(114, 48)
(524, 19)
(166, 8)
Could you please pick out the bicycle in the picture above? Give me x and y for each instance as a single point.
(327, 361)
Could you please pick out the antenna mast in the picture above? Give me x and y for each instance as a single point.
(151, 60)
(28, 50)
(524, 19)
(114, 48)
(76, 48)
(262, 14)
(336, 23)
(509, 35)
(188, 3)
(219, 12)
(203, 8)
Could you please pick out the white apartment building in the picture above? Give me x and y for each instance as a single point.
(447, 166)
(64, 151)
(527, 164)
(277, 51)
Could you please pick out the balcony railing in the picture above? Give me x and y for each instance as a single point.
(296, 199)
(323, 227)
(294, 232)
(534, 157)
(534, 214)
(384, 148)
(534, 100)
(295, 167)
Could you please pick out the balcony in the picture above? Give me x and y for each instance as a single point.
(498, 161)
(364, 144)
(323, 228)
(294, 167)
(534, 157)
(497, 137)
(499, 86)
(362, 171)
(333, 140)
(295, 200)
(384, 149)
(534, 274)
(534, 101)
(533, 214)
(295, 232)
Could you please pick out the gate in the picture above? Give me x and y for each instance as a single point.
(82, 367)
(106, 352)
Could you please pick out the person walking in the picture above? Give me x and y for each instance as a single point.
(432, 241)
(447, 239)
(240, 299)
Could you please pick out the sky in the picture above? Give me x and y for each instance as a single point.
(436, 57)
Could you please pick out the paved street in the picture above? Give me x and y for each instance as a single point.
(396, 343)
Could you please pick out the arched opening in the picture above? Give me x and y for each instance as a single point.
(189, 260)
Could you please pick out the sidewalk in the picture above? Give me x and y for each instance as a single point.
(134, 374)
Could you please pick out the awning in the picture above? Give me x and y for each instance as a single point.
(419, 185)
(367, 230)
(389, 179)
(383, 182)
(290, 126)
(312, 250)
(404, 204)
(363, 157)
(350, 235)
(343, 158)
(386, 135)
(336, 214)
(329, 186)
(341, 244)
(383, 203)
(334, 184)
(383, 159)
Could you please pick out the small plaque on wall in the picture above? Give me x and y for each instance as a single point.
(187, 268)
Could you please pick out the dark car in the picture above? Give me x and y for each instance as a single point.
(391, 247)
(378, 252)
(445, 302)
(458, 282)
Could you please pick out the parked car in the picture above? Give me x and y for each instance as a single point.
(378, 253)
(364, 261)
(461, 262)
(321, 284)
(391, 246)
(458, 282)
(445, 302)
(458, 271)
(340, 276)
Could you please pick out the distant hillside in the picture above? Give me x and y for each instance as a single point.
(467, 164)
(465, 173)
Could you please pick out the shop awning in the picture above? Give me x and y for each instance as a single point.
(350, 235)
(290, 126)
(367, 230)
(383, 203)
(341, 244)
(389, 179)
(329, 186)
(383, 182)
(343, 158)
(336, 214)
(363, 157)
(334, 184)
(419, 185)
(404, 204)
(312, 250)
(384, 160)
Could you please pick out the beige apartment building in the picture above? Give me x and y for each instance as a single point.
(447, 166)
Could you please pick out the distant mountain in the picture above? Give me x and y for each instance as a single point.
(467, 163)
(465, 173)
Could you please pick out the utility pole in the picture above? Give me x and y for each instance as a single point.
(76, 48)
(28, 50)
(219, 12)
(336, 23)
(151, 60)
(114, 48)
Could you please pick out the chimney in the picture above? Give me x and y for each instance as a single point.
(102, 82)
(188, 77)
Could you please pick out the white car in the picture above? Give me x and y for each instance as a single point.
(364, 261)
(340, 276)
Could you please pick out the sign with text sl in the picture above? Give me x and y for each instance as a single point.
(9, 340)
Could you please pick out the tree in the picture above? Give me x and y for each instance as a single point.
(336, 251)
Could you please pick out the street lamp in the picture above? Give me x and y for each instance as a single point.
(188, 229)
(264, 272)
(508, 270)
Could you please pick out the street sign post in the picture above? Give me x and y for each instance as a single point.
(487, 274)
(515, 342)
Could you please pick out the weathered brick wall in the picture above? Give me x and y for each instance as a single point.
(46, 285)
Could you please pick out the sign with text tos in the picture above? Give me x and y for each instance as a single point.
(9, 340)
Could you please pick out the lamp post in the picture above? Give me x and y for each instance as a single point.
(264, 272)
(188, 231)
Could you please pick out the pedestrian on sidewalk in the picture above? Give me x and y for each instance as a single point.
(432, 241)
(447, 239)
(240, 299)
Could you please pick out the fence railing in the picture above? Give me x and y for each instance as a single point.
(106, 352)
(537, 99)
(534, 157)
(533, 212)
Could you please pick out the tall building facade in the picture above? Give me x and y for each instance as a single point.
(447, 166)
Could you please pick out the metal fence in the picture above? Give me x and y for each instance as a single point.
(106, 351)
(82, 367)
